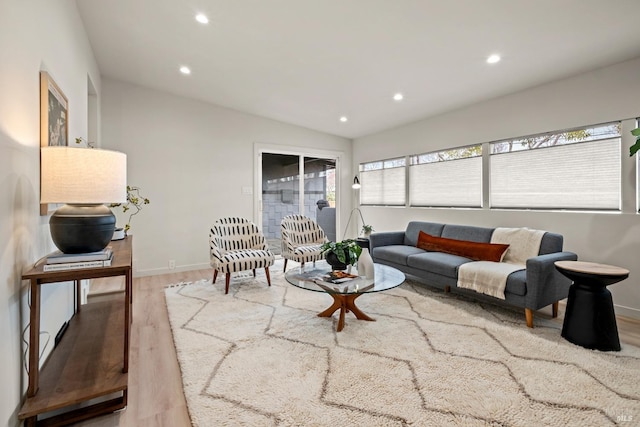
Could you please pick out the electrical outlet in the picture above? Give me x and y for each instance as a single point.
(172, 264)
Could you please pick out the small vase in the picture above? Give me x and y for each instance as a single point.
(365, 264)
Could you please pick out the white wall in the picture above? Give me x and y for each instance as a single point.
(34, 35)
(192, 159)
(596, 97)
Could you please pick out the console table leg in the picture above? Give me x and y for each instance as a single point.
(34, 339)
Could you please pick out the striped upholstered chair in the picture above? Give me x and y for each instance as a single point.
(237, 245)
(302, 238)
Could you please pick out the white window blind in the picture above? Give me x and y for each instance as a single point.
(383, 183)
(453, 183)
(583, 175)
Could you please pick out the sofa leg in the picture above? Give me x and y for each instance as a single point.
(227, 279)
(215, 275)
(554, 309)
(528, 313)
(447, 289)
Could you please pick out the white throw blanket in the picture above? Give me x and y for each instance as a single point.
(490, 278)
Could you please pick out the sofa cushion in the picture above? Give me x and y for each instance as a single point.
(395, 253)
(466, 232)
(438, 263)
(517, 283)
(478, 251)
(551, 243)
(415, 227)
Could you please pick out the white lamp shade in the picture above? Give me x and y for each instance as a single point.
(82, 176)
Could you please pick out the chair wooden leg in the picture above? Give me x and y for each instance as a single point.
(254, 272)
(528, 313)
(227, 279)
(285, 265)
(266, 271)
(215, 275)
(554, 309)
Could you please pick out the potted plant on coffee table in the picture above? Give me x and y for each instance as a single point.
(341, 254)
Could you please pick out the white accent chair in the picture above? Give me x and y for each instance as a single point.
(302, 238)
(237, 244)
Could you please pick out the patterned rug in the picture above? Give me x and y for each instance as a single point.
(260, 356)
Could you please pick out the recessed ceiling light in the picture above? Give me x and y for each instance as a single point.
(398, 97)
(185, 70)
(492, 59)
(202, 18)
(343, 119)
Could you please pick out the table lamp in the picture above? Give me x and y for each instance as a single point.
(84, 179)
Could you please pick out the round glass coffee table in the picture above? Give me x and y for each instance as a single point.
(344, 291)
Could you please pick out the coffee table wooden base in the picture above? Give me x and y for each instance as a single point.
(345, 303)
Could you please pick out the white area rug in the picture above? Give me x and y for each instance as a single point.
(260, 356)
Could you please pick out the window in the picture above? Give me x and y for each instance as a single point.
(575, 169)
(383, 182)
(451, 178)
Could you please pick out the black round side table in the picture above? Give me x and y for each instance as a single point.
(363, 242)
(590, 319)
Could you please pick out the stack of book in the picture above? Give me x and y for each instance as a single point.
(61, 261)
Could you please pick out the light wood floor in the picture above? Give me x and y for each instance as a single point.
(155, 385)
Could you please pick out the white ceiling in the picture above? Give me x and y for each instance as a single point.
(308, 62)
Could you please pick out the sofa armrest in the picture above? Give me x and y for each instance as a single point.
(545, 284)
(385, 238)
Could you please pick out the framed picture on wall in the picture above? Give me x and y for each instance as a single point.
(54, 117)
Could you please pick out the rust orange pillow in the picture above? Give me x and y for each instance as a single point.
(474, 250)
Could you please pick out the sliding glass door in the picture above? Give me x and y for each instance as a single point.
(296, 184)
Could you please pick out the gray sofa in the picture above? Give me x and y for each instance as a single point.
(536, 287)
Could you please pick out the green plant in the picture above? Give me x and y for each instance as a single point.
(342, 250)
(90, 144)
(367, 228)
(635, 147)
(134, 201)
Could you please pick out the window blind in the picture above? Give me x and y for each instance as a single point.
(585, 175)
(454, 183)
(383, 187)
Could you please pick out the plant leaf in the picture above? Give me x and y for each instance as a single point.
(636, 132)
(635, 147)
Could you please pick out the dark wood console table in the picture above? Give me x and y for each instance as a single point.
(91, 360)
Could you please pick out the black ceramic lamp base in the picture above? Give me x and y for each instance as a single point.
(82, 228)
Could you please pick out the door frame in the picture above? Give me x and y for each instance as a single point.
(260, 147)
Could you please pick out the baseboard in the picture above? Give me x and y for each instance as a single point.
(622, 310)
(178, 269)
(104, 296)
